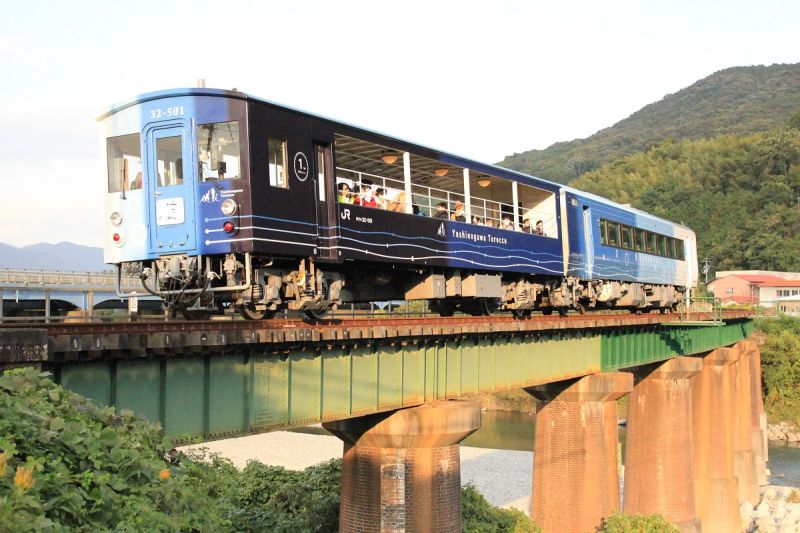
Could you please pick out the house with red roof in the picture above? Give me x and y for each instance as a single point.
(761, 289)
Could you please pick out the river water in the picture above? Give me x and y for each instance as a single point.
(514, 431)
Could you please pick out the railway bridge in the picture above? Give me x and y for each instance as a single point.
(396, 391)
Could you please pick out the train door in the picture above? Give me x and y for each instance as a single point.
(170, 189)
(588, 240)
(325, 189)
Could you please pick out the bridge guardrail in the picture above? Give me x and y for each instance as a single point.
(49, 277)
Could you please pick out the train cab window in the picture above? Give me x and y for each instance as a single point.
(603, 229)
(124, 163)
(627, 237)
(218, 150)
(638, 240)
(169, 160)
(277, 163)
(613, 234)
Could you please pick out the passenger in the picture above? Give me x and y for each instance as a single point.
(506, 223)
(136, 184)
(477, 221)
(458, 213)
(380, 199)
(441, 211)
(526, 226)
(539, 229)
(489, 223)
(345, 196)
(365, 198)
(417, 211)
(398, 205)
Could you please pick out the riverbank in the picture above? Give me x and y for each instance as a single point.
(783, 432)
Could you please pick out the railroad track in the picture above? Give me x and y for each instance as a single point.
(465, 323)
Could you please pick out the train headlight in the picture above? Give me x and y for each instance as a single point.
(116, 218)
(228, 207)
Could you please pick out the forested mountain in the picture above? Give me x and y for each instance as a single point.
(739, 100)
(740, 194)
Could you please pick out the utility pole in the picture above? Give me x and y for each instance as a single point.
(706, 268)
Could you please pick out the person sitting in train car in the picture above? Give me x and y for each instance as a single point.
(539, 229)
(441, 211)
(365, 198)
(526, 226)
(506, 223)
(398, 205)
(477, 221)
(458, 213)
(489, 223)
(380, 198)
(345, 196)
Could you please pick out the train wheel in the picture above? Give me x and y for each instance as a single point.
(563, 310)
(315, 314)
(445, 308)
(249, 312)
(521, 313)
(547, 311)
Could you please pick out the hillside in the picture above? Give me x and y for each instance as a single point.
(740, 194)
(62, 256)
(739, 100)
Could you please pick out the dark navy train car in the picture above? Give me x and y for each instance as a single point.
(217, 199)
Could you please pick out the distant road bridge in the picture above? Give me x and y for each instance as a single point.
(387, 387)
(49, 294)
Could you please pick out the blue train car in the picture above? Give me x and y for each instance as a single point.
(218, 199)
(635, 259)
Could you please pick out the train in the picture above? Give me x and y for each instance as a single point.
(223, 202)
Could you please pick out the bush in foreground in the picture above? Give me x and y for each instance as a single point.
(636, 523)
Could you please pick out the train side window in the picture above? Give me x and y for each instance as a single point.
(651, 242)
(277, 163)
(603, 236)
(679, 250)
(627, 241)
(661, 248)
(671, 247)
(613, 233)
(124, 163)
(320, 150)
(638, 239)
(218, 150)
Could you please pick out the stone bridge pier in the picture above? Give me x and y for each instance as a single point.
(402, 470)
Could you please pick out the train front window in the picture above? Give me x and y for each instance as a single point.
(124, 163)
(169, 161)
(218, 150)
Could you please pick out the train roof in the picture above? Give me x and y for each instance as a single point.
(626, 207)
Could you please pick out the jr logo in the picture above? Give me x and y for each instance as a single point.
(345, 214)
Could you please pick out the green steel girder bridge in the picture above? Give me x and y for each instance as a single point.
(218, 379)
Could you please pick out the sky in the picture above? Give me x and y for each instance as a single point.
(478, 79)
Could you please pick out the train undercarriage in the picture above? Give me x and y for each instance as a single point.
(258, 287)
